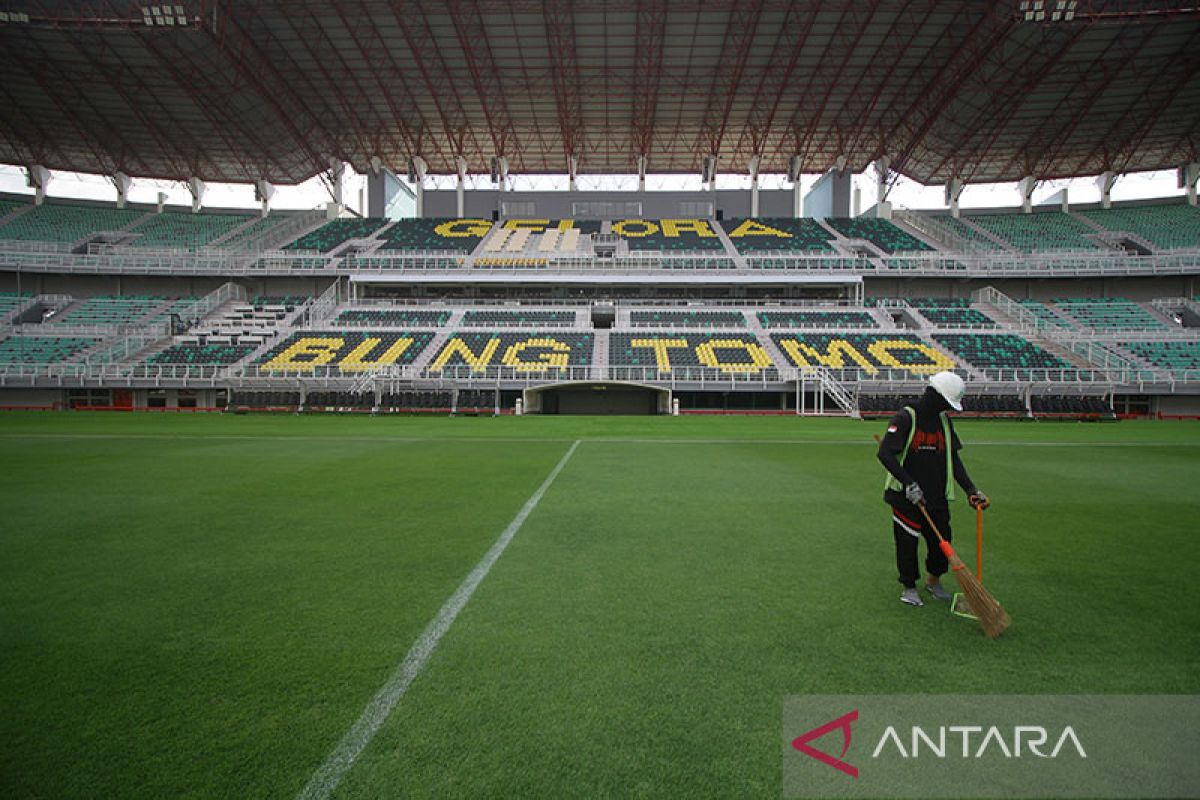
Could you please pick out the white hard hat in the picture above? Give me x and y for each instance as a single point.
(951, 387)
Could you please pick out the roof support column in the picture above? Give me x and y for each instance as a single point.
(795, 165)
(502, 172)
(416, 173)
(1189, 174)
(641, 166)
(883, 209)
(1105, 181)
(337, 176)
(708, 174)
(122, 182)
(572, 169)
(460, 188)
(38, 177)
(264, 191)
(753, 167)
(1025, 187)
(954, 190)
(198, 188)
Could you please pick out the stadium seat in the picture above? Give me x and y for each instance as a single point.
(817, 319)
(42, 349)
(675, 353)
(111, 310)
(783, 234)
(1109, 314)
(209, 354)
(435, 233)
(999, 351)
(344, 351)
(951, 313)
(521, 352)
(186, 231)
(1039, 232)
(392, 317)
(870, 353)
(517, 319)
(687, 319)
(1166, 227)
(67, 224)
(337, 232)
(668, 234)
(880, 232)
(1171, 355)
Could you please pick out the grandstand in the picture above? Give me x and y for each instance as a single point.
(291, 229)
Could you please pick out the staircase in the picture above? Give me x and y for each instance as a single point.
(754, 324)
(844, 397)
(600, 339)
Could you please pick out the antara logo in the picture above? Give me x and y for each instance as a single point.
(976, 742)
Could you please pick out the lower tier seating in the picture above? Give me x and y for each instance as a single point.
(397, 317)
(1039, 310)
(688, 319)
(42, 349)
(999, 351)
(532, 352)
(252, 399)
(476, 400)
(817, 319)
(530, 318)
(357, 401)
(673, 352)
(951, 313)
(345, 351)
(1074, 406)
(11, 301)
(871, 353)
(416, 400)
(289, 301)
(208, 354)
(111, 310)
(1172, 355)
(986, 405)
(1109, 314)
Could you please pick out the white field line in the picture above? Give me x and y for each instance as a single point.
(342, 758)
(552, 439)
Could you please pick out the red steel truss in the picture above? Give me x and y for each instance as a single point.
(234, 90)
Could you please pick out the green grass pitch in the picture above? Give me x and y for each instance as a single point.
(202, 606)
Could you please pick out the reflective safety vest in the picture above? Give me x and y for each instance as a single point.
(891, 483)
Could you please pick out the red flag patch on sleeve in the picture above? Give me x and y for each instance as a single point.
(891, 428)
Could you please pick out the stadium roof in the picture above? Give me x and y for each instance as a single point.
(236, 91)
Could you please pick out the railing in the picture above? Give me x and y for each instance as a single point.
(323, 307)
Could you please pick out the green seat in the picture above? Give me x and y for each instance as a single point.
(880, 232)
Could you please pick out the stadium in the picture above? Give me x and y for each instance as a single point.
(535, 458)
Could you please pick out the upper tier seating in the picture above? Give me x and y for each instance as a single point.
(541, 237)
(668, 234)
(517, 319)
(111, 310)
(208, 354)
(9, 206)
(174, 230)
(11, 301)
(688, 319)
(967, 232)
(880, 232)
(524, 352)
(42, 349)
(392, 317)
(437, 233)
(347, 351)
(1167, 226)
(673, 352)
(337, 232)
(1109, 314)
(999, 351)
(177, 306)
(1043, 231)
(1168, 355)
(256, 230)
(1039, 310)
(289, 301)
(66, 224)
(751, 235)
(951, 313)
(869, 352)
(817, 319)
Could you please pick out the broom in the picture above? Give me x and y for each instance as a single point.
(959, 607)
(992, 618)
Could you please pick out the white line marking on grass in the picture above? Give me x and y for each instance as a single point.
(342, 758)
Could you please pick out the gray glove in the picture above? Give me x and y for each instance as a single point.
(914, 494)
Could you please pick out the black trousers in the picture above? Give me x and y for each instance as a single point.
(908, 526)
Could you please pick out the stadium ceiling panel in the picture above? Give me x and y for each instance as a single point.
(238, 91)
